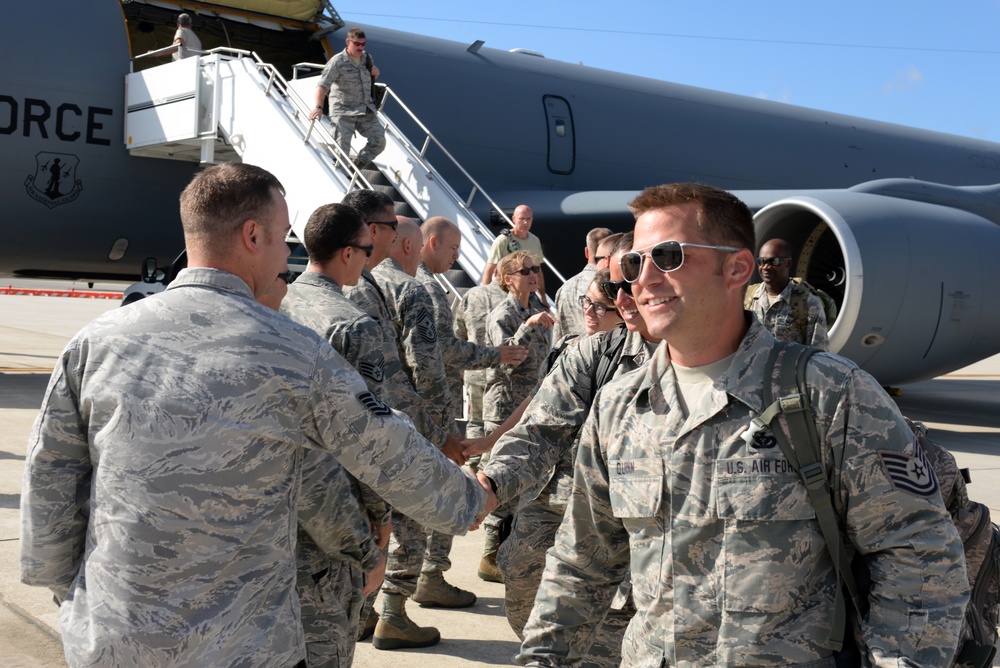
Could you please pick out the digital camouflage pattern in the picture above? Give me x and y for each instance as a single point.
(471, 317)
(350, 86)
(506, 386)
(331, 604)
(163, 471)
(534, 461)
(780, 319)
(413, 313)
(400, 393)
(742, 576)
(457, 354)
(569, 315)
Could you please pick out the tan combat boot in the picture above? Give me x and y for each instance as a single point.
(396, 630)
(488, 569)
(434, 592)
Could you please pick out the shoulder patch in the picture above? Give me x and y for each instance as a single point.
(910, 473)
(378, 407)
(374, 371)
(425, 326)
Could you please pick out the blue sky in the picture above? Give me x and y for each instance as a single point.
(930, 65)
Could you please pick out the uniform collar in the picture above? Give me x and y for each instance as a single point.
(208, 277)
(318, 280)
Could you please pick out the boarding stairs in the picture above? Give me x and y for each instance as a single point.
(226, 104)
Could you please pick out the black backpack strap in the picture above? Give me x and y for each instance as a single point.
(801, 448)
(607, 359)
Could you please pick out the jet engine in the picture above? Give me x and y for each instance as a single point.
(914, 267)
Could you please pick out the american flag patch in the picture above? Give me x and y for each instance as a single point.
(911, 474)
(374, 404)
(374, 371)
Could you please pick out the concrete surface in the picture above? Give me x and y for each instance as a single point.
(962, 409)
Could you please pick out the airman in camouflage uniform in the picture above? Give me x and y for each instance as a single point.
(164, 466)
(442, 240)
(336, 547)
(569, 317)
(406, 548)
(347, 78)
(780, 312)
(728, 563)
(470, 324)
(519, 320)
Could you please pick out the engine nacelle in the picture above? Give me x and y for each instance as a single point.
(918, 284)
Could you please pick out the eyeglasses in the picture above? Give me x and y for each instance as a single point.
(286, 276)
(611, 288)
(528, 270)
(772, 261)
(367, 249)
(388, 223)
(359, 42)
(667, 256)
(599, 309)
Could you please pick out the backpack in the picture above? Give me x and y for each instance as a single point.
(980, 537)
(799, 302)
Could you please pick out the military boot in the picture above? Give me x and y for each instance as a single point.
(396, 630)
(434, 592)
(488, 569)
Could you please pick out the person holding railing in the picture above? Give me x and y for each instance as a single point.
(348, 80)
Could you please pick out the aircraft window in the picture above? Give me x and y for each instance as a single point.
(560, 127)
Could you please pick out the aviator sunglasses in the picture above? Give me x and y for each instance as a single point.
(666, 256)
(611, 288)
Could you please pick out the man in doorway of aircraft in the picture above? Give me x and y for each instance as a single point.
(185, 39)
(789, 310)
(519, 237)
(347, 79)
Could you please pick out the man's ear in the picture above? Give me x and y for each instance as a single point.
(739, 267)
(252, 234)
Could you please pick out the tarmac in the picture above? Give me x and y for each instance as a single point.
(962, 409)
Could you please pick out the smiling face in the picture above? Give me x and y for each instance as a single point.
(624, 302)
(593, 323)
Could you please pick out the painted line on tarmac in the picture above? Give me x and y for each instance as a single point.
(72, 292)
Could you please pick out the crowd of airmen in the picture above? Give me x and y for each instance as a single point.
(212, 482)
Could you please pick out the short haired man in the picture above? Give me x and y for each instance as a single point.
(163, 470)
(728, 563)
(184, 38)
(605, 248)
(789, 310)
(336, 545)
(519, 237)
(569, 317)
(347, 78)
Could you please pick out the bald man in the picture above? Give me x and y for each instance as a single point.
(519, 237)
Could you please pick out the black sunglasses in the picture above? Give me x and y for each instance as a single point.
(611, 288)
(666, 256)
(773, 261)
(388, 223)
(528, 270)
(367, 249)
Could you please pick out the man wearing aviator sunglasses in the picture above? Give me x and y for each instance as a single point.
(788, 309)
(734, 569)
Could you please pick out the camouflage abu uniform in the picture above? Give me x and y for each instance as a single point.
(400, 394)
(569, 315)
(351, 104)
(163, 474)
(728, 564)
(331, 571)
(470, 324)
(534, 462)
(780, 320)
(456, 355)
(507, 386)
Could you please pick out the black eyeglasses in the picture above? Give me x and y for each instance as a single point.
(773, 261)
(611, 288)
(286, 276)
(528, 270)
(667, 256)
(388, 223)
(600, 309)
(367, 249)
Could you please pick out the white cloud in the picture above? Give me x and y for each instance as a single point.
(906, 79)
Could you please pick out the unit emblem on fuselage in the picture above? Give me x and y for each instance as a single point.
(54, 181)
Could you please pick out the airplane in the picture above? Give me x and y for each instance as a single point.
(900, 225)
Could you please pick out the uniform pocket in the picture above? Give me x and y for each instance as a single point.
(771, 538)
(635, 487)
